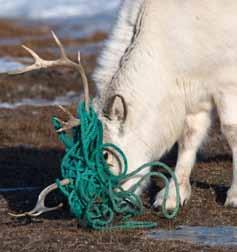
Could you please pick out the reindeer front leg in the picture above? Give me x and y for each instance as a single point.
(195, 129)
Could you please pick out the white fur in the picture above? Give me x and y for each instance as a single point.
(172, 61)
(118, 42)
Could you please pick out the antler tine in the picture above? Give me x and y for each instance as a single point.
(84, 81)
(33, 54)
(79, 66)
(40, 207)
(79, 56)
(39, 63)
(62, 50)
(73, 121)
(66, 111)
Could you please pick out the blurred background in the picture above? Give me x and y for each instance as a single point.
(80, 24)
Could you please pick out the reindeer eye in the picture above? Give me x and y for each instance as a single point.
(106, 155)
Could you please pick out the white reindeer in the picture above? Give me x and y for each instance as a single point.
(165, 67)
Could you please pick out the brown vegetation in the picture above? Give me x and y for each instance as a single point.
(30, 155)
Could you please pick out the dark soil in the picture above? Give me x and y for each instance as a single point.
(30, 155)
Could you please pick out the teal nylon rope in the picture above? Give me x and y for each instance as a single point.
(95, 195)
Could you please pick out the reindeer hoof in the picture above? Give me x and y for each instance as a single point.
(231, 200)
(185, 193)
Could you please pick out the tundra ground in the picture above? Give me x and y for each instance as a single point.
(30, 155)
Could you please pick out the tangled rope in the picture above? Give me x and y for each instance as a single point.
(95, 194)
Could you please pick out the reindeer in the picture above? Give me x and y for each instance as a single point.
(165, 67)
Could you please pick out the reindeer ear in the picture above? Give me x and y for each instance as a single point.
(118, 109)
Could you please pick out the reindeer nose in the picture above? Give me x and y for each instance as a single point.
(108, 158)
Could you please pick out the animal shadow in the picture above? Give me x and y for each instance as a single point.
(34, 169)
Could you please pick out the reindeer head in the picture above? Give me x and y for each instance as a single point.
(120, 125)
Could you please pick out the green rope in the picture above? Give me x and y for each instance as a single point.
(95, 194)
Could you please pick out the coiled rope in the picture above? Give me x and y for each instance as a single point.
(95, 195)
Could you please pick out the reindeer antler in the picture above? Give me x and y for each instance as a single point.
(40, 205)
(62, 61)
(73, 122)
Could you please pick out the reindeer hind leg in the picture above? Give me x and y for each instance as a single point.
(226, 103)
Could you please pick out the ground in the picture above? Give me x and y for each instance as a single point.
(30, 155)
